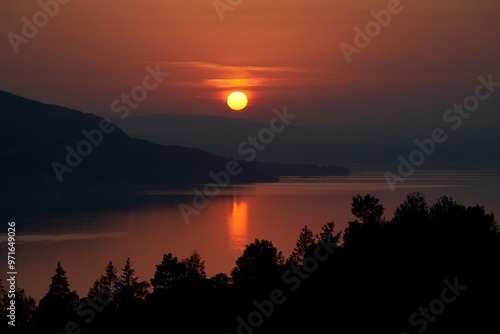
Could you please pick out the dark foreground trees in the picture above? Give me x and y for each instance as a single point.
(24, 307)
(407, 275)
(432, 268)
(59, 304)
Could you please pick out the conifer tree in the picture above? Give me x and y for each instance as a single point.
(328, 234)
(303, 247)
(58, 306)
(109, 281)
(195, 266)
(129, 284)
(94, 290)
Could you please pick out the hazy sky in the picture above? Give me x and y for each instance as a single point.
(281, 52)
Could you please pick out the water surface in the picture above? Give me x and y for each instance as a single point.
(85, 231)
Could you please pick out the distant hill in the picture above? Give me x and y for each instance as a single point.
(340, 146)
(204, 125)
(222, 135)
(34, 135)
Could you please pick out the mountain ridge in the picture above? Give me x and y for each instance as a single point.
(34, 135)
(222, 135)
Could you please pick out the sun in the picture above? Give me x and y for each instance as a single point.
(237, 100)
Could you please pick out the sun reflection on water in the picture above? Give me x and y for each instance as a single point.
(237, 223)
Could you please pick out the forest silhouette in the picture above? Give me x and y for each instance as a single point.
(432, 268)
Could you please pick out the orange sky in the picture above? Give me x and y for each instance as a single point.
(282, 52)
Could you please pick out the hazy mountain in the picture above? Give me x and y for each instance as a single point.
(208, 126)
(38, 141)
(221, 135)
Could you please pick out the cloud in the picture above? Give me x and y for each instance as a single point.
(195, 74)
(236, 69)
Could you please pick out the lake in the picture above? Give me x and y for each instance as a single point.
(86, 230)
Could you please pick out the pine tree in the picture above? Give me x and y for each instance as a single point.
(59, 285)
(94, 290)
(58, 306)
(195, 266)
(327, 233)
(305, 244)
(130, 285)
(127, 277)
(109, 281)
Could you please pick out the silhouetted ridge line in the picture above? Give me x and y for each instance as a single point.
(35, 135)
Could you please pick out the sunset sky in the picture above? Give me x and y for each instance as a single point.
(281, 52)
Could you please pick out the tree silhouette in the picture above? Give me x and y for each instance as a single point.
(129, 285)
(94, 290)
(413, 210)
(384, 273)
(168, 272)
(58, 306)
(304, 246)
(328, 233)
(220, 280)
(360, 234)
(260, 262)
(367, 209)
(25, 308)
(195, 266)
(3, 298)
(129, 299)
(109, 281)
(446, 209)
(3, 307)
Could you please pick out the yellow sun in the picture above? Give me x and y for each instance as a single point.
(237, 100)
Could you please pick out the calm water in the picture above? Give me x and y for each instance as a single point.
(85, 232)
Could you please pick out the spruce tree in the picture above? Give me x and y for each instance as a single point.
(130, 285)
(303, 247)
(328, 234)
(94, 290)
(58, 306)
(109, 281)
(195, 266)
